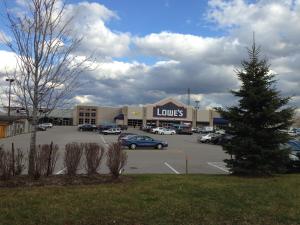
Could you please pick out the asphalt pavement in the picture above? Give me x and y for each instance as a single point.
(184, 153)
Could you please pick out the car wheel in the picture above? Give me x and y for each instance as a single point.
(162, 133)
(156, 132)
(159, 146)
(132, 146)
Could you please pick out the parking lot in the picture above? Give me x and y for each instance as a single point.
(201, 158)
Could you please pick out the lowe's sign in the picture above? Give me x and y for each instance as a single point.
(169, 110)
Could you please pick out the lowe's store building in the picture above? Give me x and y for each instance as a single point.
(162, 113)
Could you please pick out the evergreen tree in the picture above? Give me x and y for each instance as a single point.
(256, 122)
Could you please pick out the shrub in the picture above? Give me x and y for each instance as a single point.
(116, 159)
(19, 162)
(5, 164)
(39, 160)
(73, 153)
(93, 154)
(50, 156)
(11, 164)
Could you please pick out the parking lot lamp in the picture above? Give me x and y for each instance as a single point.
(197, 107)
(9, 93)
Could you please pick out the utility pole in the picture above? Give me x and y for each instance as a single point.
(188, 96)
(197, 107)
(197, 104)
(9, 92)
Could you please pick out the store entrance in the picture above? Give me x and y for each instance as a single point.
(167, 123)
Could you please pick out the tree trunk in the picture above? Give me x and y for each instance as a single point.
(32, 150)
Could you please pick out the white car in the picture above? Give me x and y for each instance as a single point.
(157, 130)
(112, 131)
(167, 131)
(47, 125)
(207, 137)
(220, 131)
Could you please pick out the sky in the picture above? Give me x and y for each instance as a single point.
(149, 50)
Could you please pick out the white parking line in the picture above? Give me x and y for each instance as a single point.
(175, 171)
(104, 141)
(61, 171)
(219, 165)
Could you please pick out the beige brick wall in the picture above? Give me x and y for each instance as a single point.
(135, 113)
(203, 116)
(107, 114)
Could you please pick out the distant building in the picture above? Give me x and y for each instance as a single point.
(162, 113)
(58, 117)
(13, 125)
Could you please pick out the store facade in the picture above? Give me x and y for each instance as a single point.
(163, 113)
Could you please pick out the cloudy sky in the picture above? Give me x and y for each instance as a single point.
(149, 50)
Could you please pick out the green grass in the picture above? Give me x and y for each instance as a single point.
(158, 199)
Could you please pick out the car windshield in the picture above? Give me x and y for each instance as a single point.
(130, 136)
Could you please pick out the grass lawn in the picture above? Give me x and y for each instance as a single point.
(158, 199)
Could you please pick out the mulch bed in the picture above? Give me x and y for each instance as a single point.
(61, 180)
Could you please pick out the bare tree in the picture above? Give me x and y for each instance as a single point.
(47, 66)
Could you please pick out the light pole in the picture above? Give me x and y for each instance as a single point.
(197, 107)
(9, 92)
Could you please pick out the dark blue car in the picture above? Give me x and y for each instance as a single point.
(135, 141)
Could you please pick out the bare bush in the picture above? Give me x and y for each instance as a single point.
(39, 159)
(44, 160)
(116, 159)
(93, 155)
(5, 164)
(19, 162)
(73, 153)
(11, 163)
(50, 156)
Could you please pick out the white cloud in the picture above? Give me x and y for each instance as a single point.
(89, 23)
(118, 70)
(274, 23)
(204, 64)
(8, 62)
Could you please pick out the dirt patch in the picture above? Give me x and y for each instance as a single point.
(61, 180)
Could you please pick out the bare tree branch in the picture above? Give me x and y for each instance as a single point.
(47, 66)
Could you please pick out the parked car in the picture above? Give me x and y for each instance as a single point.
(292, 133)
(156, 130)
(47, 125)
(207, 137)
(195, 129)
(184, 131)
(123, 127)
(112, 131)
(41, 127)
(123, 135)
(294, 146)
(220, 131)
(136, 141)
(87, 127)
(167, 131)
(222, 139)
(101, 128)
(146, 128)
